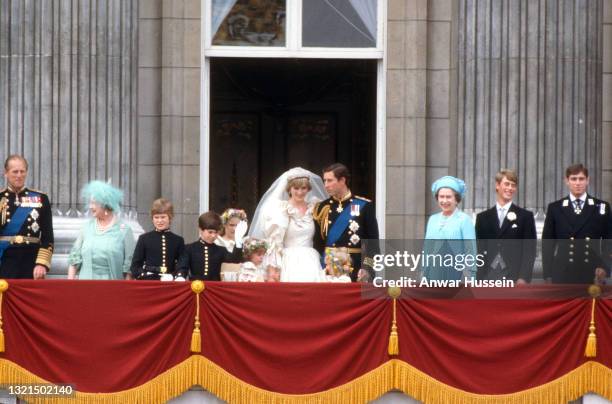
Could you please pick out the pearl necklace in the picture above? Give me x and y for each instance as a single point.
(103, 228)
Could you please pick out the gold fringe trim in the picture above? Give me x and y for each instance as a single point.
(590, 350)
(3, 288)
(392, 375)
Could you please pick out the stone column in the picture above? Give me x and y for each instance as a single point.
(180, 112)
(606, 178)
(68, 94)
(419, 110)
(530, 79)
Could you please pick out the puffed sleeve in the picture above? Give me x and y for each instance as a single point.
(128, 248)
(276, 221)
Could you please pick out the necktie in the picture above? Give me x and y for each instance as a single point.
(501, 216)
(578, 206)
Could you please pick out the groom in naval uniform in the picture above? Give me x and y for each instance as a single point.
(344, 219)
(506, 235)
(577, 233)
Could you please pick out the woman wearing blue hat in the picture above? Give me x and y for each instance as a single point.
(450, 235)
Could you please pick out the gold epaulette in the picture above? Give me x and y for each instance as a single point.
(362, 198)
(321, 215)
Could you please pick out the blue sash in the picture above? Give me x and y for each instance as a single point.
(13, 227)
(342, 222)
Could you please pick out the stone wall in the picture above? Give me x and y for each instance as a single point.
(68, 94)
(169, 110)
(529, 96)
(606, 177)
(420, 109)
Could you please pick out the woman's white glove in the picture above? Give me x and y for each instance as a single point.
(166, 277)
(179, 279)
(241, 229)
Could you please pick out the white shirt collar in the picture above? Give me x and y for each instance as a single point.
(506, 206)
(582, 197)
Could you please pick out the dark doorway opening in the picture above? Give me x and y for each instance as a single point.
(268, 115)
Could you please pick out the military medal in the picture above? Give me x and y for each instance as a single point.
(163, 269)
(34, 214)
(354, 210)
(339, 209)
(35, 227)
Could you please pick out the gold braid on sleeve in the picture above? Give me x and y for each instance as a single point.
(321, 214)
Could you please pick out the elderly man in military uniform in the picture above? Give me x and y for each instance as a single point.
(26, 227)
(344, 219)
(577, 232)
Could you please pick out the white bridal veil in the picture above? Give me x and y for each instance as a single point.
(277, 192)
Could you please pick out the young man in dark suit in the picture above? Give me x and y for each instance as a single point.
(506, 235)
(577, 233)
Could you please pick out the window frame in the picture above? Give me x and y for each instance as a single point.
(293, 47)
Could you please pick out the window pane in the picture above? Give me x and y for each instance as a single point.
(248, 22)
(339, 23)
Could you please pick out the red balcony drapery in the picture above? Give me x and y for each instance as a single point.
(118, 340)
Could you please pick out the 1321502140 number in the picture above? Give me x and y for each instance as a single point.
(39, 389)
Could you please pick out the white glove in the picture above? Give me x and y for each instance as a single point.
(241, 229)
(166, 277)
(179, 279)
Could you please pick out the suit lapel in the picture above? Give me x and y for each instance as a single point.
(568, 210)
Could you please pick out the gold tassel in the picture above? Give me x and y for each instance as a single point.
(393, 348)
(196, 337)
(3, 287)
(590, 350)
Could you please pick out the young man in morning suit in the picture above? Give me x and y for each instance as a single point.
(344, 219)
(577, 233)
(506, 235)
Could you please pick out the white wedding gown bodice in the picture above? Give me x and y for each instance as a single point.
(290, 234)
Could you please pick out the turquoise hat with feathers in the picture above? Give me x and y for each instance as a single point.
(104, 194)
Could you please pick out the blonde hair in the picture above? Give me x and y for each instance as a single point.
(298, 183)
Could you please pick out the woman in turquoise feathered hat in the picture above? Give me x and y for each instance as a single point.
(105, 245)
(450, 233)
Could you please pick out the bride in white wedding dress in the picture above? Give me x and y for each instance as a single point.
(284, 218)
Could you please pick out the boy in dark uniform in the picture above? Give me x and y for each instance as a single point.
(26, 225)
(344, 219)
(203, 259)
(157, 252)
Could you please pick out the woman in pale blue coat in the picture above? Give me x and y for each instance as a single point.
(450, 237)
(105, 246)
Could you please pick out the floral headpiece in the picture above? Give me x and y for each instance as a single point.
(231, 213)
(104, 194)
(251, 245)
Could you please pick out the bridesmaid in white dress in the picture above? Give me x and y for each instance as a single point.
(284, 219)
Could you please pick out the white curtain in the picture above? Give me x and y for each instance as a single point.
(220, 10)
(366, 9)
